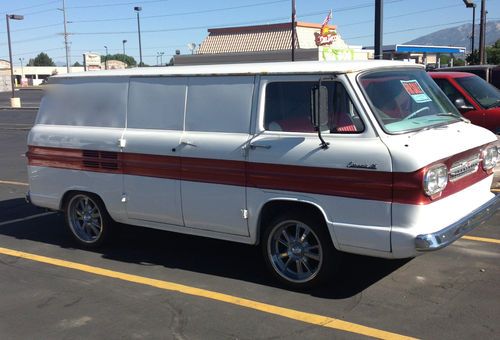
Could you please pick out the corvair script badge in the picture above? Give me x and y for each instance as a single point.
(372, 166)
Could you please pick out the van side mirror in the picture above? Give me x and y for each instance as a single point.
(319, 107)
(461, 106)
(319, 111)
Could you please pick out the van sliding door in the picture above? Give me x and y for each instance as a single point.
(151, 158)
(213, 173)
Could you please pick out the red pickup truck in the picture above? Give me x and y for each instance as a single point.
(473, 97)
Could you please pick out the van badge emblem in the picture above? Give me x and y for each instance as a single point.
(372, 166)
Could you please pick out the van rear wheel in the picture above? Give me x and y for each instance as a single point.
(87, 219)
(298, 250)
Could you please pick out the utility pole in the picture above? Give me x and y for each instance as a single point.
(123, 42)
(482, 34)
(293, 29)
(66, 43)
(379, 29)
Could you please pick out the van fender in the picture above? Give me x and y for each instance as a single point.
(113, 213)
(255, 230)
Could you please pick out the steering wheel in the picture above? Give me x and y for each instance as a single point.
(416, 113)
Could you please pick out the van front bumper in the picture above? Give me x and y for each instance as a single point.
(444, 237)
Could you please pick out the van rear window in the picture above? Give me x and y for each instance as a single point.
(85, 102)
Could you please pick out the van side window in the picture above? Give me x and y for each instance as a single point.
(85, 101)
(288, 108)
(219, 104)
(156, 103)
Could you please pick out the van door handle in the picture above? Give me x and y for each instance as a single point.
(188, 143)
(255, 146)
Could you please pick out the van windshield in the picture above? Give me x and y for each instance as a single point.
(407, 100)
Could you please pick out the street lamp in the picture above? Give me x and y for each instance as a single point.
(123, 42)
(138, 9)
(13, 102)
(22, 68)
(159, 55)
(106, 58)
(471, 4)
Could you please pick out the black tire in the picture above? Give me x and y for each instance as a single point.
(298, 250)
(87, 219)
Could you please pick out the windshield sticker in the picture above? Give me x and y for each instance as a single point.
(415, 91)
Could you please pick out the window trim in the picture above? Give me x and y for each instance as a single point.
(265, 80)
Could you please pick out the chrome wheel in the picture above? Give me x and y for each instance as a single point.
(85, 218)
(295, 251)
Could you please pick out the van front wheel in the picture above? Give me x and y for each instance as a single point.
(87, 219)
(298, 250)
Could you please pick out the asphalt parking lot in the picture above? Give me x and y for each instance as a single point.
(152, 284)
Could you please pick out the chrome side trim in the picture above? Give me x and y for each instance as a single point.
(446, 236)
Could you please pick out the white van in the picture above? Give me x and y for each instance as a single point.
(305, 159)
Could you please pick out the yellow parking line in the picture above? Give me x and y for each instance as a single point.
(14, 183)
(309, 318)
(481, 239)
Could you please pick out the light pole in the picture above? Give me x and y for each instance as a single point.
(106, 58)
(294, 15)
(123, 42)
(471, 4)
(379, 29)
(482, 34)
(13, 102)
(22, 69)
(160, 54)
(137, 9)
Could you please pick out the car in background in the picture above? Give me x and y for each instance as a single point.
(490, 73)
(476, 100)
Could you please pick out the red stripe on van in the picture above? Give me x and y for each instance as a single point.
(403, 188)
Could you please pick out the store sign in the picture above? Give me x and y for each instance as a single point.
(326, 35)
(91, 61)
(332, 53)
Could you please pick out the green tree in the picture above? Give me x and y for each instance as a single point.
(76, 64)
(473, 58)
(493, 53)
(130, 61)
(41, 60)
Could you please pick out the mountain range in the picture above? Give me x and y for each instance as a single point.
(459, 36)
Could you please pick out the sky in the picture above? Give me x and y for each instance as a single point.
(170, 25)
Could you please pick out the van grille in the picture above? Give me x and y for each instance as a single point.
(464, 167)
(100, 159)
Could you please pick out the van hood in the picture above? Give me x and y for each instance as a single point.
(415, 150)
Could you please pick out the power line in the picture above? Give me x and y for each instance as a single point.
(401, 15)
(185, 13)
(415, 28)
(34, 6)
(116, 4)
(45, 37)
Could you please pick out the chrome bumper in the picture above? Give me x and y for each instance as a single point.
(444, 237)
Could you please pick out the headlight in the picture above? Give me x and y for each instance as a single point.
(490, 158)
(435, 179)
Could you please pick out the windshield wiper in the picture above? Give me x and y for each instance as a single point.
(451, 114)
(430, 127)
